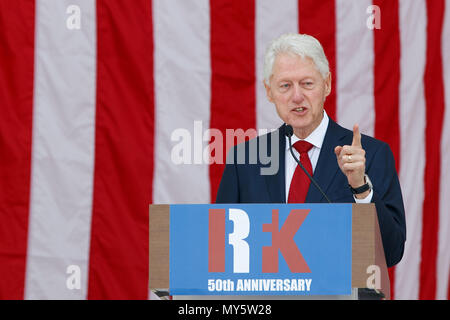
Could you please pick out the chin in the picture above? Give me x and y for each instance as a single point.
(300, 124)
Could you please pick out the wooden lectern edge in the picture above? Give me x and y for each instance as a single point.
(380, 260)
(159, 240)
(367, 248)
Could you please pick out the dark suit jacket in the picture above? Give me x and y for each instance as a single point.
(243, 183)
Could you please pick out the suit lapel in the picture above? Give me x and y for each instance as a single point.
(275, 183)
(327, 166)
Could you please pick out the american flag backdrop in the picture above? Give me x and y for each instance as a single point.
(92, 91)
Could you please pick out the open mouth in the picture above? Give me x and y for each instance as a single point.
(299, 110)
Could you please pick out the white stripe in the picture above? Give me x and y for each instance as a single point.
(355, 63)
(273, 18)
(443, 263)
(413, 24)
(63, 150)
(182, 96)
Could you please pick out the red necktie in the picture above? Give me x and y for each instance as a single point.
(300, 181)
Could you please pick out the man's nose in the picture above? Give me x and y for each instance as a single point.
(298, 96)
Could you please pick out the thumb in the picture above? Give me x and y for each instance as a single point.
(356, 136)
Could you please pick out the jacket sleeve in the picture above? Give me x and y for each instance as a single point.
(387, 196)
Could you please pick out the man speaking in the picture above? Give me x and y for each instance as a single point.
(346, 166)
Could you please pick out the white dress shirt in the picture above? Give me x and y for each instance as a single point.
(316, 139)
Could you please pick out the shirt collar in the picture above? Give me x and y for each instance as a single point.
(316, 137)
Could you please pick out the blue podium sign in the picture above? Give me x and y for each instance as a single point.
(260, 249)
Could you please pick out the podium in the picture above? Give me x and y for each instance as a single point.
(288, 251)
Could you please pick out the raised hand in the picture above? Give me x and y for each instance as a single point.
(352, 160)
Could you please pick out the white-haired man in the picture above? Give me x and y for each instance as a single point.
(348, 166)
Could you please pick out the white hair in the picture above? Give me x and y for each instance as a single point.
(301, 44)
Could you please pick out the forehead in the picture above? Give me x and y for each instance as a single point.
(292, 65)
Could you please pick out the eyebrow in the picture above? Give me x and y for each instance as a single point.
(290, 80)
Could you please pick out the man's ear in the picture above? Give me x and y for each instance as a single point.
(328, 84)
(268, 91)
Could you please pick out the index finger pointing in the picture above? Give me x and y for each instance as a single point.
(356, 136)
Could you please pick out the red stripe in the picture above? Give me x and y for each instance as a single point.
(16, 101)
(123, 151)
(387, 82)
(434, 96)
(233, 95)
(318, 19)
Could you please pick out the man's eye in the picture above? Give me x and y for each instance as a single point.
(285, 85)
(308, 83)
